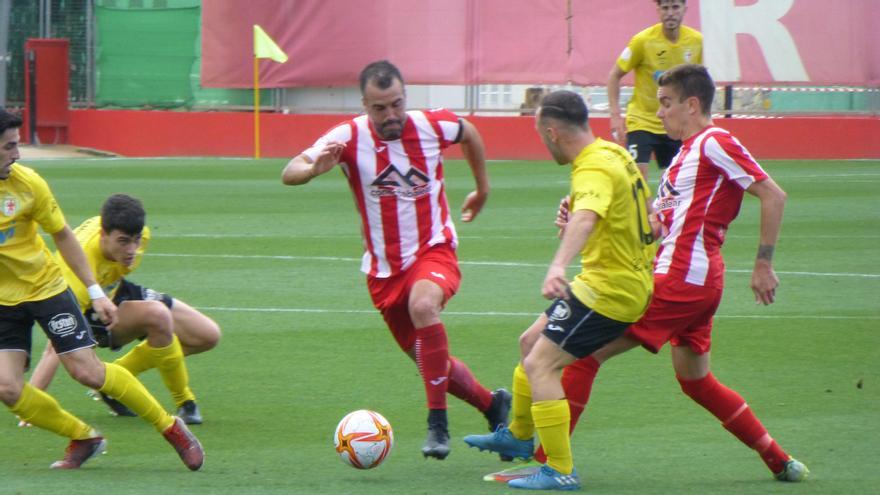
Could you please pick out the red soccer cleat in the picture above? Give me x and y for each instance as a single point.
(186, 444)
(79, 451)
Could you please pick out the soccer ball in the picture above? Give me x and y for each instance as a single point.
(363, 439)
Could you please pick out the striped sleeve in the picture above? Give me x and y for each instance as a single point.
(341, 133)
(733, 159)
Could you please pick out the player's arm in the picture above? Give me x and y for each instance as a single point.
(301, 169)
(475, 154)
(70, 249)
(45, 369)
(618, 128)
(574, 238)
(772, 198)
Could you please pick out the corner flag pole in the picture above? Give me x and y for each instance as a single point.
(264, 47)
(256, 107)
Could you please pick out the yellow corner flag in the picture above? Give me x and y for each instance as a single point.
(265, 47)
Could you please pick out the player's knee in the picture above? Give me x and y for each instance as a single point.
(205, 339)
(156, 317)
(423, 308)
(10, 391)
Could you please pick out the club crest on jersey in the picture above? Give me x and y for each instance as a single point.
(391, 182)
(10, 205)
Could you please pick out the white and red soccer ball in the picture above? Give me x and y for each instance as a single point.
(363, 439)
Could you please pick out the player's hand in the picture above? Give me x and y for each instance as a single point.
(328, 158)
(656, 226)
(106, 311)
(562, 215)
(618, 129)
(764, 283)
(555, 283)
(472, 205)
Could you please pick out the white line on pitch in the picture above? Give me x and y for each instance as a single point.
(475, 263)
(510, 313)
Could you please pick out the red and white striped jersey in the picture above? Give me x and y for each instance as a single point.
(398, 186)
(699, 195)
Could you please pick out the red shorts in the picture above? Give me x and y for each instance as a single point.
(391, 295)
(680, 313)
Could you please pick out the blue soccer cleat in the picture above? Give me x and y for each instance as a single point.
(548, 479)
(504, 443)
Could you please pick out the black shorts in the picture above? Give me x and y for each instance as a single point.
(641, 143)
(578, 329)
(127, 291)
(59, 316)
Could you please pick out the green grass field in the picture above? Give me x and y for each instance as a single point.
(277, 267)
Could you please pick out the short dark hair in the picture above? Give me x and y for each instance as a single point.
(661, 1)
(691, 80)
(124, 213)
(565, 106)
(9, 121)
(382, 73)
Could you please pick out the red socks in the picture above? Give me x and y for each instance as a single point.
(577, 381)
(736, 416)
(464, 385)
(432, 358)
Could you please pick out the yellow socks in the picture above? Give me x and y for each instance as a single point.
(521, 425)
(551, 420)
(120, 384)
(137, 360)
(169, 361)
(41, 409)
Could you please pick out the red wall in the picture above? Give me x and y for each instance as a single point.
(166, 133)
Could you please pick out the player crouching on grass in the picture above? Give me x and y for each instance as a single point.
(33, 290)
(114, 244)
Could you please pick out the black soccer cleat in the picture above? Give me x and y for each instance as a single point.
(437, 443)
(116, 408)
(189, 413)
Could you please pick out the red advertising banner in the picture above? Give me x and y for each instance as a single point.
(528, 41)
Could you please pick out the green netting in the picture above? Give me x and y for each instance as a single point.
(144, 55)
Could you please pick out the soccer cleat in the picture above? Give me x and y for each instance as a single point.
(521, 470)
(497, 413)
(79, 451)
(116, 408)
(437, 443)
(186, 444)
(498, 409)
(548, 478)
(794, 471)
(189, 413)
(503, 442)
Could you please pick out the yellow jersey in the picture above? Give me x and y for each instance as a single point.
(616, 276)
(650, 54)
(27, 270)
(108, 273)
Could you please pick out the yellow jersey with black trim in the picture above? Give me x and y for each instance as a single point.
(108, 274)
(27, 270)
(649, 53)
(616, 278)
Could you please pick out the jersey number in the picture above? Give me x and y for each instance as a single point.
(646, 234)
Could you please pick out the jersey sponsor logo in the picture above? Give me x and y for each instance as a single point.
(561, 311)
(10, 205)
(62, 324)
(667, 196)
(391, 182)
(6, 234)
